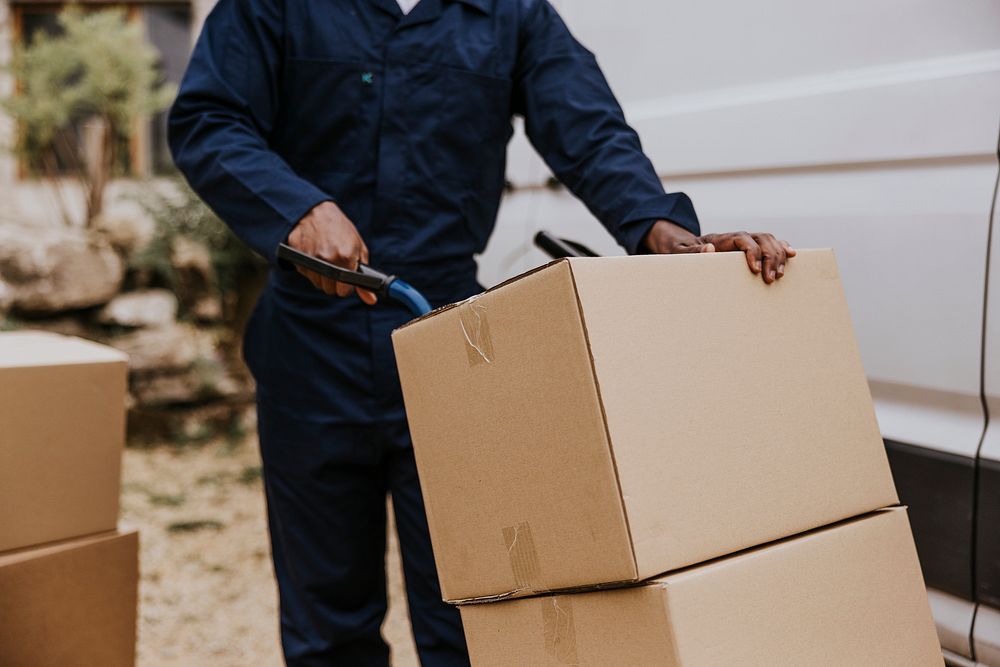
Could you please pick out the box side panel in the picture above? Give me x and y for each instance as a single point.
(63, 429)
(74, 606)
(739, 412)
(618, 627)
(848, 595)
(511, 445)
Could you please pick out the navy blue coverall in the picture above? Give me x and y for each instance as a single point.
(403, 121)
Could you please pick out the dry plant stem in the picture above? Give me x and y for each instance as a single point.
(104, 162)
(65, 149)
(52, 176)
(110, 158)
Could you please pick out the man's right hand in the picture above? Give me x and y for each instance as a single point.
(327, 233)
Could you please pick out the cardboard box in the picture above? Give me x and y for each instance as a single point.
(601, 421)
(71, 604)
(62, 429)
(850, 595)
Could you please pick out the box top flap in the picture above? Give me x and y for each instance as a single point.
(39, 348)
(52, 548)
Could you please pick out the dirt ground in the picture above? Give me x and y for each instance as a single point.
(207, 594)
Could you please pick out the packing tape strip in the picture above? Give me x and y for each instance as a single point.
(558, 629)
(476, 329)
(523, 557)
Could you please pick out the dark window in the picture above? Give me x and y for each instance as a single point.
(38, 20)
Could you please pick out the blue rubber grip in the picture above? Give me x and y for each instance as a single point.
(407, 294)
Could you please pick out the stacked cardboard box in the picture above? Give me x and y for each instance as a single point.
(673, 428)
(68, 577)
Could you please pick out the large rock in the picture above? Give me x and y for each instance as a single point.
(65, 325)
(185, 424)
(197, 284)
(187, 255)
(141, 308)
(205, 381)
(50, 270)
(127, 233)
(207, 309)
(185, 387)
(166, 349)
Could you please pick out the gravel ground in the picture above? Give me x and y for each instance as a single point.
(207, 595)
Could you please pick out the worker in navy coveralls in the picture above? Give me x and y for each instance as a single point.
(376, 131)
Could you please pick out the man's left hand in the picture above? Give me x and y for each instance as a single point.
(766, 255)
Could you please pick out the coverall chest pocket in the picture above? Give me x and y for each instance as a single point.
(324, 103)
(475, 121)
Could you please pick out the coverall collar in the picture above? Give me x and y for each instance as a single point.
(485, 6)
(428, 10)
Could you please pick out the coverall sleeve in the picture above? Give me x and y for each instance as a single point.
(574, 121)
(221, 121)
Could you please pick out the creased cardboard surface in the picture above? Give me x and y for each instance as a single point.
(739, 412)
(71, 604)
(62, 430)
(641, 414)
(510, 442)
(847, 595)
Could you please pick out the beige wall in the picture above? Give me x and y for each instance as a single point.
(201, 10)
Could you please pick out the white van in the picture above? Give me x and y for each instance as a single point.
(871, 126)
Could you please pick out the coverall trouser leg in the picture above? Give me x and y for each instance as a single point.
(326, 511)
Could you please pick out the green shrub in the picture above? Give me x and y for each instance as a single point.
(99, 74)
(182, 214)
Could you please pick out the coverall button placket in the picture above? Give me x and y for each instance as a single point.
(392, 156)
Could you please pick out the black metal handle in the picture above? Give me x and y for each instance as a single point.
(558, 248)
(365, 277)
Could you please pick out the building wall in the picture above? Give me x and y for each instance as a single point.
(7, 164)
(201, 10)
(23, 201)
